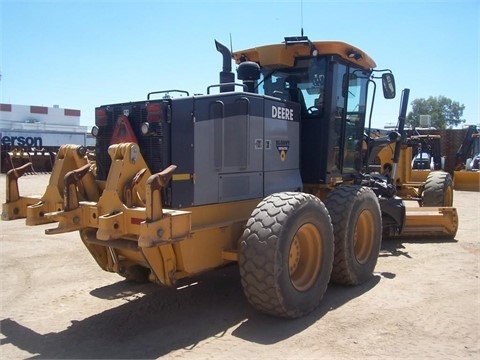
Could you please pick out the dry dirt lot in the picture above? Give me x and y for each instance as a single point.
(422, 302)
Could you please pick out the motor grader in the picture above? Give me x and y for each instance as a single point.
(429, 188)
(269, 171)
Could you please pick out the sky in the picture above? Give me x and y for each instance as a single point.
(81, 54)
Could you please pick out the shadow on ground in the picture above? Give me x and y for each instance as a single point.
(156, 320)
(395, 246)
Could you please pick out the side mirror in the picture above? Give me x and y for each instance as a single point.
(388, 85)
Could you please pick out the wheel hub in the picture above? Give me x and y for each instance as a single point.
(305, 257)
(294, 256)
(364, 237)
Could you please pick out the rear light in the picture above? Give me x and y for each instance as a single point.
(154, 112)
(101, 117)
(144, 128)
(95, 131)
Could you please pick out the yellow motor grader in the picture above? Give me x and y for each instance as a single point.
(270, 171)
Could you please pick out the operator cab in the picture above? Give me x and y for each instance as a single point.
(330, 81)
(333, 98)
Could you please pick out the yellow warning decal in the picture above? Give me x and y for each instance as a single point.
(181, 177)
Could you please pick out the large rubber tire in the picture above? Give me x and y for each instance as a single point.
(438, 189)
(357, 225)
(286, 254)
(469, 164)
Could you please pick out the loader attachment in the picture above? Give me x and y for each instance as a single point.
(428, 222)
(41, 160)
(466, 180)
(18, 158)
(127, 229)
(69, 157)
(15, 206)
(119, 199)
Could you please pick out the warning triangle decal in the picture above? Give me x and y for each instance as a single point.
(123, 132)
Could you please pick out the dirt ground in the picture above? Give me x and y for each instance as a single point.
(423, 302)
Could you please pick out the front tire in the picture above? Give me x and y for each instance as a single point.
(438, 189)
(286, 254)
(357, 225)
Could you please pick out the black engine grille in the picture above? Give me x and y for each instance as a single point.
(155, 147)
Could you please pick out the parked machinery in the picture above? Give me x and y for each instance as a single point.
(274, 176)
(427, 157)
(467, 170)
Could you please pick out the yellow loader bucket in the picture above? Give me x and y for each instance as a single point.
(466, 180)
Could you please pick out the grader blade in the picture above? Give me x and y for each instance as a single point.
(430, 222)
(466, 180)
(419, 175)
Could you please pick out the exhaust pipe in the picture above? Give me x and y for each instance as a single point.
(226, 75)
(401, 130)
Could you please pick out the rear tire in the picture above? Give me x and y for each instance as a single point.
(357, 225)
(438, 189)
(286, 254)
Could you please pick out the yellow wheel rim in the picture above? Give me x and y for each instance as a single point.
(364, 237)
(305, 257)
(448, 198)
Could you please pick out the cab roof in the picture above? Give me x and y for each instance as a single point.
(284, 54)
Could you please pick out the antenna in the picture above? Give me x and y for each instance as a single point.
(301, 17)
(231, 43)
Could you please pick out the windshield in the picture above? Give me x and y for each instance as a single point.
(303, 83)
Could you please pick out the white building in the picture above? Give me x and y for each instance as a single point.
(40, 126)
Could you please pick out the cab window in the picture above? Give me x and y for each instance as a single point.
(355, 119)
(303, 83)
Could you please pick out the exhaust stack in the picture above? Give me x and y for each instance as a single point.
(226, 75)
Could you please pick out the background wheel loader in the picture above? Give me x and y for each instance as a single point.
(271, 173)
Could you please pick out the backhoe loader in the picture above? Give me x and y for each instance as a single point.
(427, 155)
(467, 168)
(270, 171)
